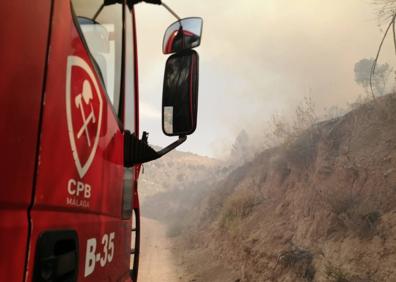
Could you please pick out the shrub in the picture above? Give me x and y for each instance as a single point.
(369, 223)
(238, 205)
(300, 261)
(336, 274)
(287, 131)
(372, 218)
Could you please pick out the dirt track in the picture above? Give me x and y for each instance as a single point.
(156, 262)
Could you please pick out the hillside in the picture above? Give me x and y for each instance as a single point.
(176, 170)
(321, 208)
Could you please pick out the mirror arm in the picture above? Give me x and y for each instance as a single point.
(138, 151)
(158, 2)
(171, 11)
(172, 146)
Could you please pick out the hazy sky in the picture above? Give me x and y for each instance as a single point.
(257, 58)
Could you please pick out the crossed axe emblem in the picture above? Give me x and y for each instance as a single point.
(85, 98)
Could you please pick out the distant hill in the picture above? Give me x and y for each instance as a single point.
(175, 171)
(322, 208)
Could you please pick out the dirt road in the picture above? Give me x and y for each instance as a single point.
(156, 262)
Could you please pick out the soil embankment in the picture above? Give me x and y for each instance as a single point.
(318, 208)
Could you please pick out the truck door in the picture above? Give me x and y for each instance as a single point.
(80, 226)
(21, 83)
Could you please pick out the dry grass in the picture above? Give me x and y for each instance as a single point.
(238, 206)
(329, 193)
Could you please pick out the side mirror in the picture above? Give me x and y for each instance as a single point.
(180, 94)
(182, 35)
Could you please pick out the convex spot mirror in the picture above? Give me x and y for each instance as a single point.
(182, 35)
(180, 94)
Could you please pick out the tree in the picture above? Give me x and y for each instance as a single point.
(242, 150)
(379, 79)
(385, 8)
(286, 130)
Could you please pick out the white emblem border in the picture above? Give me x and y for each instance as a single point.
(74, 61)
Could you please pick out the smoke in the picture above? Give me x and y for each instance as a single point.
(259, 58)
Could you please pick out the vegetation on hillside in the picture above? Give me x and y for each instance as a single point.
(317, 207)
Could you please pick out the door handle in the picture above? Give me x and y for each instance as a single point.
(56, 257)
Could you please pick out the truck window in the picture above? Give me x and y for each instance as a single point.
(102, 31)
(130, 118)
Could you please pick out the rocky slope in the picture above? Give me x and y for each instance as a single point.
(320, 208)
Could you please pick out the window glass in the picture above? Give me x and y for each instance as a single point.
(102, 30)
(129, 122)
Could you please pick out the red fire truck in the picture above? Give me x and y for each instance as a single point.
(69, 97)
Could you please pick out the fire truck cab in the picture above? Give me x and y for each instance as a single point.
(69, 98)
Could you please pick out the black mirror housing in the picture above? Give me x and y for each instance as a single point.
(180, 94)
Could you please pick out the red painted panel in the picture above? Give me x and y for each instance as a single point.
(24, 27)
(80, 170)
(13, 239)
(90, 226)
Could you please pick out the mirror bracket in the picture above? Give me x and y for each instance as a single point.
(137, 151)
(157, 2)
(171, 11)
